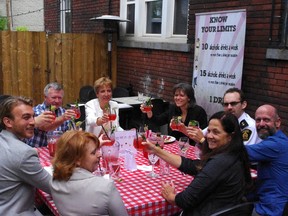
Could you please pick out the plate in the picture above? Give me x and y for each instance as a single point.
(168, 139)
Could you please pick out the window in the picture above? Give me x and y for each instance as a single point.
(155, 20)
(65, 16)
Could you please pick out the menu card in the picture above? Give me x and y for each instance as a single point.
(127, 150)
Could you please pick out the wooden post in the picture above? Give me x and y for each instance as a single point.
(9, 15)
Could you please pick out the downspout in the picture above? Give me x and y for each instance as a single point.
(284, 26)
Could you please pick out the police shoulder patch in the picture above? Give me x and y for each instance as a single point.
(243, 124)
(246, 134)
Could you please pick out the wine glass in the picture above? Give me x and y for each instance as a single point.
(153, 160)
(184, 145)
(112, 115)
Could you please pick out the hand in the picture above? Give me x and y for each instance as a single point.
(102, 120)
(149, 113)
(195, 133)
(69, 113)
(150, 147)
(168, 191)
(47, 117)
(103, 139)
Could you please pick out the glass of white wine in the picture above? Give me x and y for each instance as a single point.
(153, 160)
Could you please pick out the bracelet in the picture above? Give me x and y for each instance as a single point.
(202, 140)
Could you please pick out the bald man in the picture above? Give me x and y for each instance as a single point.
(272, 157)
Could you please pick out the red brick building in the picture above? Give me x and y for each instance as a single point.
(153, 65)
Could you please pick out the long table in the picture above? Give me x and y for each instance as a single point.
(140, 194)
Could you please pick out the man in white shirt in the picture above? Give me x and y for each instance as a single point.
(234, 102)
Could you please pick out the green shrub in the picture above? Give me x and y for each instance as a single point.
(21, 28)
(3, 23)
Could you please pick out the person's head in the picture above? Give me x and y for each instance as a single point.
(184, 95)
(234, 101)
(53, 94)
(224, 132)
(2, 99)
(267, 121)
(17, 116)
(103, 89)
(75, 149)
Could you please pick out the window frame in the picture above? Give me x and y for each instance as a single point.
(65, 9)
(140, 34)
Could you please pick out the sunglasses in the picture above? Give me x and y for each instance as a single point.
(234, 103)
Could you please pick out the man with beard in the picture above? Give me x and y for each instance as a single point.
(20, 169)
(272, 157)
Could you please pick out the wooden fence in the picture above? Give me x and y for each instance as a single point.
(30, 60)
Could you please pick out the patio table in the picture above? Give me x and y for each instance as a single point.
(140, 194)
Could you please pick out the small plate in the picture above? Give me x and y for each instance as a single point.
(168, 139)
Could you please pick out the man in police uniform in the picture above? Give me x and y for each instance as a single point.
(234, 102)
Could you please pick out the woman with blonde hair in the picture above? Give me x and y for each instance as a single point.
(74, 188)
(97, 110)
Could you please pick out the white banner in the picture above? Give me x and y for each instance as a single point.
(218, 56)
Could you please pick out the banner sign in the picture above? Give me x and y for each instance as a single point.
(218, 56)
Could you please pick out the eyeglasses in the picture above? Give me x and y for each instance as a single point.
(234, 103)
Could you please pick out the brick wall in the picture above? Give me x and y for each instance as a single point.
(156, 71)
(52, 16)
(82, 12)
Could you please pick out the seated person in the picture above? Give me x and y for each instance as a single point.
(272, 157)
(45, 119)
(75, 190)
(98, 110)
(20, 169)
(185, 106)
(222, 175)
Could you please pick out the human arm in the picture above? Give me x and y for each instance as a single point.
(219, 175)
(173, 159)
(43, 119)
(116, 206)
(95, 116)
(31, 171)
(59, 120)
(266, 150)
(149, 113)
(195, 134)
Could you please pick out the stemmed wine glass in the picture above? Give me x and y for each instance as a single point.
(153, 160)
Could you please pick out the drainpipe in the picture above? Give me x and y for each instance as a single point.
(284, 26)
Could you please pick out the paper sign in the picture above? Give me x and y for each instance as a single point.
(125, 139)
(127, 150)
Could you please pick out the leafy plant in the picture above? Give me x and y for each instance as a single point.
(148, 102)
(21, 28)
(3, 23)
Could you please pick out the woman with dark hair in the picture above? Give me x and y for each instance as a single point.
(75, 190)
(184, 106)
(221, 176)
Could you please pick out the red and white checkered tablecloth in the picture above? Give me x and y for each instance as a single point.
(140, 194)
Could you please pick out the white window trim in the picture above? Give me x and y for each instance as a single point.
(140, 20)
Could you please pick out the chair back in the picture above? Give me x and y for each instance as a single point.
(243, 209)
(120, 92)
(86, 93)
